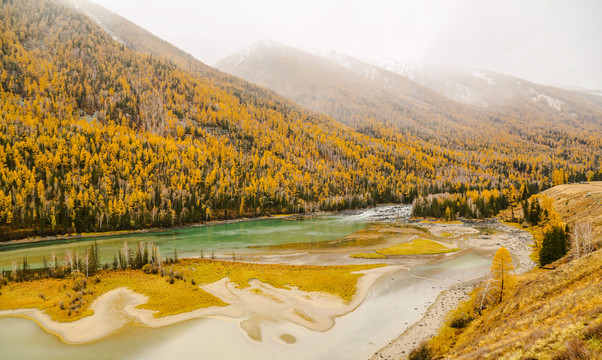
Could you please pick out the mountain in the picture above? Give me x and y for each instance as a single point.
(108, 127)
(104, 126)
(422, 98)
(367, 97)
(441, 136)
(349, 93)
(502, 93)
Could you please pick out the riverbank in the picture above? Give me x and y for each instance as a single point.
(428, 325)
(260, 302)
(494, 235)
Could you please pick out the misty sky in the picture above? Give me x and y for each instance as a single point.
(546, 41)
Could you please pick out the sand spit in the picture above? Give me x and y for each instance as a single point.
(251, 307)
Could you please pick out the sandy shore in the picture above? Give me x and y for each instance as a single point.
(256, 304)
(428, 325)
(515, 240)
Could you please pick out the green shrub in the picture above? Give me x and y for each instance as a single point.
(422, 352)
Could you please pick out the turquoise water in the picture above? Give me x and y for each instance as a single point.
(189, 242)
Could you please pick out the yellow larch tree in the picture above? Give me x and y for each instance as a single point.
(500, 271)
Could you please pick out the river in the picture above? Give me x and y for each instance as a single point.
(394, 303)
(222, 239)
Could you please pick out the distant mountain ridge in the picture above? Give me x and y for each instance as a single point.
(350, 94)
(496, 91)
(410, 96)
(547, 123)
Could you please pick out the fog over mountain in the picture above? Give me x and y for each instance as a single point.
(550, 42)
(353, 91)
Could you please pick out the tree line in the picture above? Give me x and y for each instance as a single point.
(145, 256)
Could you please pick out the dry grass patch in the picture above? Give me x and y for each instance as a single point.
(336, 280)
(417, 247)
(548, 313)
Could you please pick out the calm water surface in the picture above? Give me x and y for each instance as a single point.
(221, 238)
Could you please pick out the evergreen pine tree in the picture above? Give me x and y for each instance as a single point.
(526, 212)
(554, 245)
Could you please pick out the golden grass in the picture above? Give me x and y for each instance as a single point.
(335, 280)
(545, 311)
(368, 256)
(446, 234)
(165, 298)
(579, 203)
(181, 296)
(443, 342)
(417, 247)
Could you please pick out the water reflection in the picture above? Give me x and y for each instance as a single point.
(224, 238)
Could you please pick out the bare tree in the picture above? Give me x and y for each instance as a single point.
(126, 252)
(87, 262)
(152, 251)
(69, 259)
(77, 260)
(53, 261)
(158, 258)
(487, 295)
(13, 273)
(582, 237)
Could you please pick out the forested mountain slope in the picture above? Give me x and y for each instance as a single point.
(141, 40)
(95, 136)
(438, 122)
(361, 94)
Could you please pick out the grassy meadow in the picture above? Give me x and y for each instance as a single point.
(69, 299)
